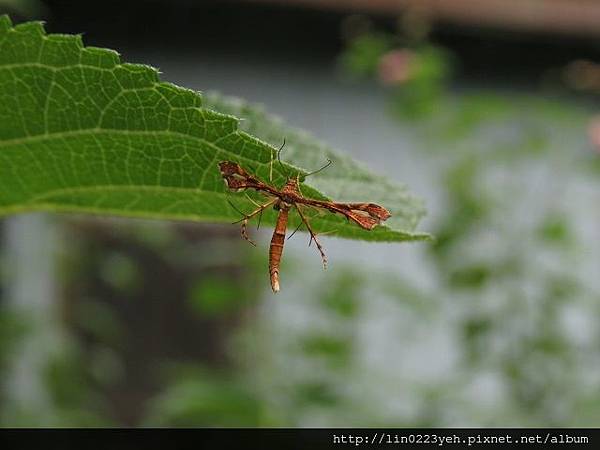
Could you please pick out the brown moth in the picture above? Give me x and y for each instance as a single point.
(366, 215)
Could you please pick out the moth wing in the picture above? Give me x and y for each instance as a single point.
(238, 178)
(366, 215)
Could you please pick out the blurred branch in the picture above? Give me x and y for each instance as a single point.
(571, 17)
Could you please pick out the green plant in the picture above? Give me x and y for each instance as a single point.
(81, 131)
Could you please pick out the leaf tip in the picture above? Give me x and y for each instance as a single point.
(5, 21)
(33, 28)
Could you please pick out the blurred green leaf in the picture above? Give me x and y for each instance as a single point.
(472, 276)
(335, 350)
(213, 296)
(423, 90)
(554, 229)
(120, 272)
(100, 321)
(316, 393)
(13, 326)
(363, 54)
(205, 398)
(74, 401)
(342, 294)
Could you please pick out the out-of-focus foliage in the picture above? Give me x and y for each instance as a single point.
(511, 257)
(415, 71)
(137, 299)
(210, 397)
(12, 328)
(363, 55)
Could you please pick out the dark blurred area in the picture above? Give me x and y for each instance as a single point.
(142, 323)
(274, 29)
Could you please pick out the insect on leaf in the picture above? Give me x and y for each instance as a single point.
(82, 131)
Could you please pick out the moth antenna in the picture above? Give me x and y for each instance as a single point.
(329, 162)
(297, 228)
(279, 158)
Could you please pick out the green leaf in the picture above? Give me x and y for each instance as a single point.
(81, 131)
(345, 180)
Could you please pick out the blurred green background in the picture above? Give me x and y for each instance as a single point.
(108, 322)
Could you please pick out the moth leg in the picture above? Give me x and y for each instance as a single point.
(313, 236)
(294, 232)
(244, 220)
(260, 214)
